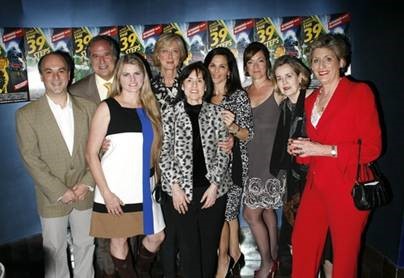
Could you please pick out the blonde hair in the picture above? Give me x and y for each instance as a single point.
(165, 40)
(147, 99)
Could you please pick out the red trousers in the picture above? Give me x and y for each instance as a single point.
(322, 209)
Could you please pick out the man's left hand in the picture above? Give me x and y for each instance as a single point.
(80, 190)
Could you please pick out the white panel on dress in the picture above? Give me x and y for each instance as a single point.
(122, 165)
(158, 220)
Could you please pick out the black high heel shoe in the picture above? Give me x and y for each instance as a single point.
(237, 266)
(229, 272)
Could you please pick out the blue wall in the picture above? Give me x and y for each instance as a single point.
(377, 39)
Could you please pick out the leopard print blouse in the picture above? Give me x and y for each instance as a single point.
(176, 152)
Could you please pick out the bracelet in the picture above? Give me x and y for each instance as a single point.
(234, 129)
(333, 151)
(173, 190)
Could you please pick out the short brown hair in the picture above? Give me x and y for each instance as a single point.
(252, 49)
(337, 43)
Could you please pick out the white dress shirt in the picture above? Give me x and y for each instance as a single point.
(65, 120)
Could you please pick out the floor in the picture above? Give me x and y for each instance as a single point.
(24, 259)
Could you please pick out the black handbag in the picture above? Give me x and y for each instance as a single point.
(158, 194)
(370, 189)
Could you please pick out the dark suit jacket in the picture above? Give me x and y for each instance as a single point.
(86, 88)
(47, 157)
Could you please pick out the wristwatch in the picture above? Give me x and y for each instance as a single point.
(333, 151)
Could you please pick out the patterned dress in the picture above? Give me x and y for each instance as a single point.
(262, 189)
(239, 104)
(126, 166)
(166, 96)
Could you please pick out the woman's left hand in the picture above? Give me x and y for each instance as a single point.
(303, 147)
(180, 200)
(227, 145)
(227, 117)
(209, 197)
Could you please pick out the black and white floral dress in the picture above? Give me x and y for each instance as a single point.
(166, 96)
(239, 104)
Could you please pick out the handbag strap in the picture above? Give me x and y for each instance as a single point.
(358, 168)
(372, 167)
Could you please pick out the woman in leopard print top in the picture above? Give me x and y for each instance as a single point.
(194, 171)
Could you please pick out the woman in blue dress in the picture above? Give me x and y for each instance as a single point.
(123, 203)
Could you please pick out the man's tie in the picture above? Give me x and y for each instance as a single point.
(108, 85)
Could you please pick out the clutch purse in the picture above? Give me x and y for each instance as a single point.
(158, 194)
(370, 189)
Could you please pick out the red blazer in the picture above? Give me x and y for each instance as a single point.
(350, 115)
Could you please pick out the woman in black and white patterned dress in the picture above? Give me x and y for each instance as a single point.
(228, 93)
(169, 54)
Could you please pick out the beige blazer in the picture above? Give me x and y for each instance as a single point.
(86, 88)
(47, 157)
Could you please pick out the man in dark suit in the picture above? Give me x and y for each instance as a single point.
(52, 135)
(103, 53)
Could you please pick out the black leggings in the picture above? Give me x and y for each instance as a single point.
(169, 247)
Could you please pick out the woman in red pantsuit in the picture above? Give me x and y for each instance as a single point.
(338, 114)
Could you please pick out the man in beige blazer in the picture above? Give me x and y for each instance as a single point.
(103, 53)
(52, 134)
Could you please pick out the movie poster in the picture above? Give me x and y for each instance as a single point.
(243, 32)
(267, 31)
(130, 39)
(82, 37)
(151, 33)
(339, 23)
(221, 35)
(312, 27)
(41, 41)
(21, 48)
(13, 66)
(38, 43)
(290, 30)
(197, 38)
